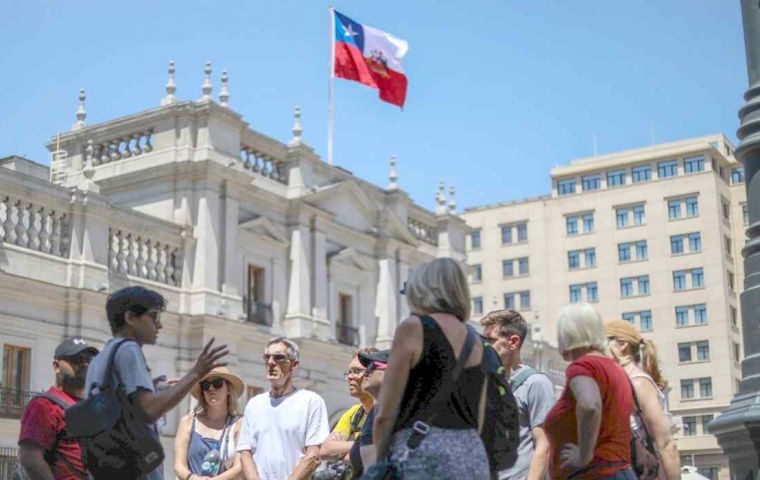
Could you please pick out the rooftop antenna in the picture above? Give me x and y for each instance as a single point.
(595, 144)
(59, 162)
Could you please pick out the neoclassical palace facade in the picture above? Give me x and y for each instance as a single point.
(247, 237)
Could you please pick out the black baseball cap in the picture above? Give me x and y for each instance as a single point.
(73, 346)
(380, 357)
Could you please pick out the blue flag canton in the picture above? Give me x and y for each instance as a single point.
(349, 31)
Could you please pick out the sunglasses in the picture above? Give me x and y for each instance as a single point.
(277, 357)
(217, 383)
(357, 372)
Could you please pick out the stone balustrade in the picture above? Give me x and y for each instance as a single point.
(31, 225)
(122, 147)
(263, 164)
(139, 256)
(423, 231)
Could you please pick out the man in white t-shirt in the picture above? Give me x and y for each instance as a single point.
(284, 428)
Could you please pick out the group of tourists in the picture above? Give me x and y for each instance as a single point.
(428, 408)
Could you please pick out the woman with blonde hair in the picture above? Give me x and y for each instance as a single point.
(425, 351)
(588, 428)
(638, 357)
(204, 447)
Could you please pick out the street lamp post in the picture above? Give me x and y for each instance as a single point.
(738, 427)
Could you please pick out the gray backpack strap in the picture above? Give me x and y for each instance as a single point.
(517, 382)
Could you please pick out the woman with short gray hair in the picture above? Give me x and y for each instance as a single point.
(588, 428)
(425, 350)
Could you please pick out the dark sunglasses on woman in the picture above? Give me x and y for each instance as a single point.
(217, 384)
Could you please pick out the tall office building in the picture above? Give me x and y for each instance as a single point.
(651, 235)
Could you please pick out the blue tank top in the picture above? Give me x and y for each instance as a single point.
(199, 447)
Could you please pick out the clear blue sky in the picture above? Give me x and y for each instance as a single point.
(499, 90)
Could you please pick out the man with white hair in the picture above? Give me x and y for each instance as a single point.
(283, 428)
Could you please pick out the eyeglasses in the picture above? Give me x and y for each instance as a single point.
(356, 372)
(155, 316)
(490, 340)
(277, 357)
(217, 383)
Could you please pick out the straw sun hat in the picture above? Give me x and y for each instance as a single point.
(235, 382)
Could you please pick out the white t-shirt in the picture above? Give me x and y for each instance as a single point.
(277, 430)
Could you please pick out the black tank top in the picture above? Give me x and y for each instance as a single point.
(427, 377)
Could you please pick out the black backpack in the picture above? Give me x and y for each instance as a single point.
(116, 441)
(501, 428)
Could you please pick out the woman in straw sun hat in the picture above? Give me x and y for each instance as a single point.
(204, 447)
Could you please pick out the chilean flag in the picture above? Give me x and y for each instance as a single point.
(371, 57)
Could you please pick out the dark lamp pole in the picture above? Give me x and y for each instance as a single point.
(738, 427)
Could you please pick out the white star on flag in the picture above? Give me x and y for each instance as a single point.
(350, 33)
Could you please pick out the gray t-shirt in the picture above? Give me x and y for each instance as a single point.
(132, 371)
(535, 397)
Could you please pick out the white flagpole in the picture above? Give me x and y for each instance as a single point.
(330, 11)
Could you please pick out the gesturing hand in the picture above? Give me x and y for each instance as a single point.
(209, 359)
(570, 456)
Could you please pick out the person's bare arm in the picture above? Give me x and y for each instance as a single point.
(307, 465)
(335, 447)
(248, 465)
(657, 425)
(407, 345)
(156, 405)
(588, 411)
(369, 458)
(540, 461)
(181, 442)
(32, 458)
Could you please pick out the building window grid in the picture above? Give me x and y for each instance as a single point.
(477, 273)
(644, 319)
(705, 387)
(639, 215)
(737, 175)
(588, 223)
(591, 182)
(703, 351)
(694, 164)
(689, 425)
(522, 266)
(507, 268)
(506, 234)
(641, 173)
(522, 232)
(621, 217)
(687, 389)
(477, 305)
(684, 317)
(576, 291)
(667, 169)
(566, 187)
(680, 276)
(475, 239)
(616, 179)
(510, 300)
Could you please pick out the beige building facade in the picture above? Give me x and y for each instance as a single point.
(246, 236)
(652, 235)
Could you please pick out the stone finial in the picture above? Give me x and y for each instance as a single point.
(440, 199)
(207, 87)
(452, 201)
(297, 130)
(89, 152)
(393, 175)
(81, 112)
(86, 184)
(224, 95)
(171, 87)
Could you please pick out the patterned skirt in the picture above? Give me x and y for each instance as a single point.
(443, 454)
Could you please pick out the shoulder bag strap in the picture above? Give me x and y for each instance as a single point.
(106, 376)
(640, 413)
(517, 382)
(421, 427)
